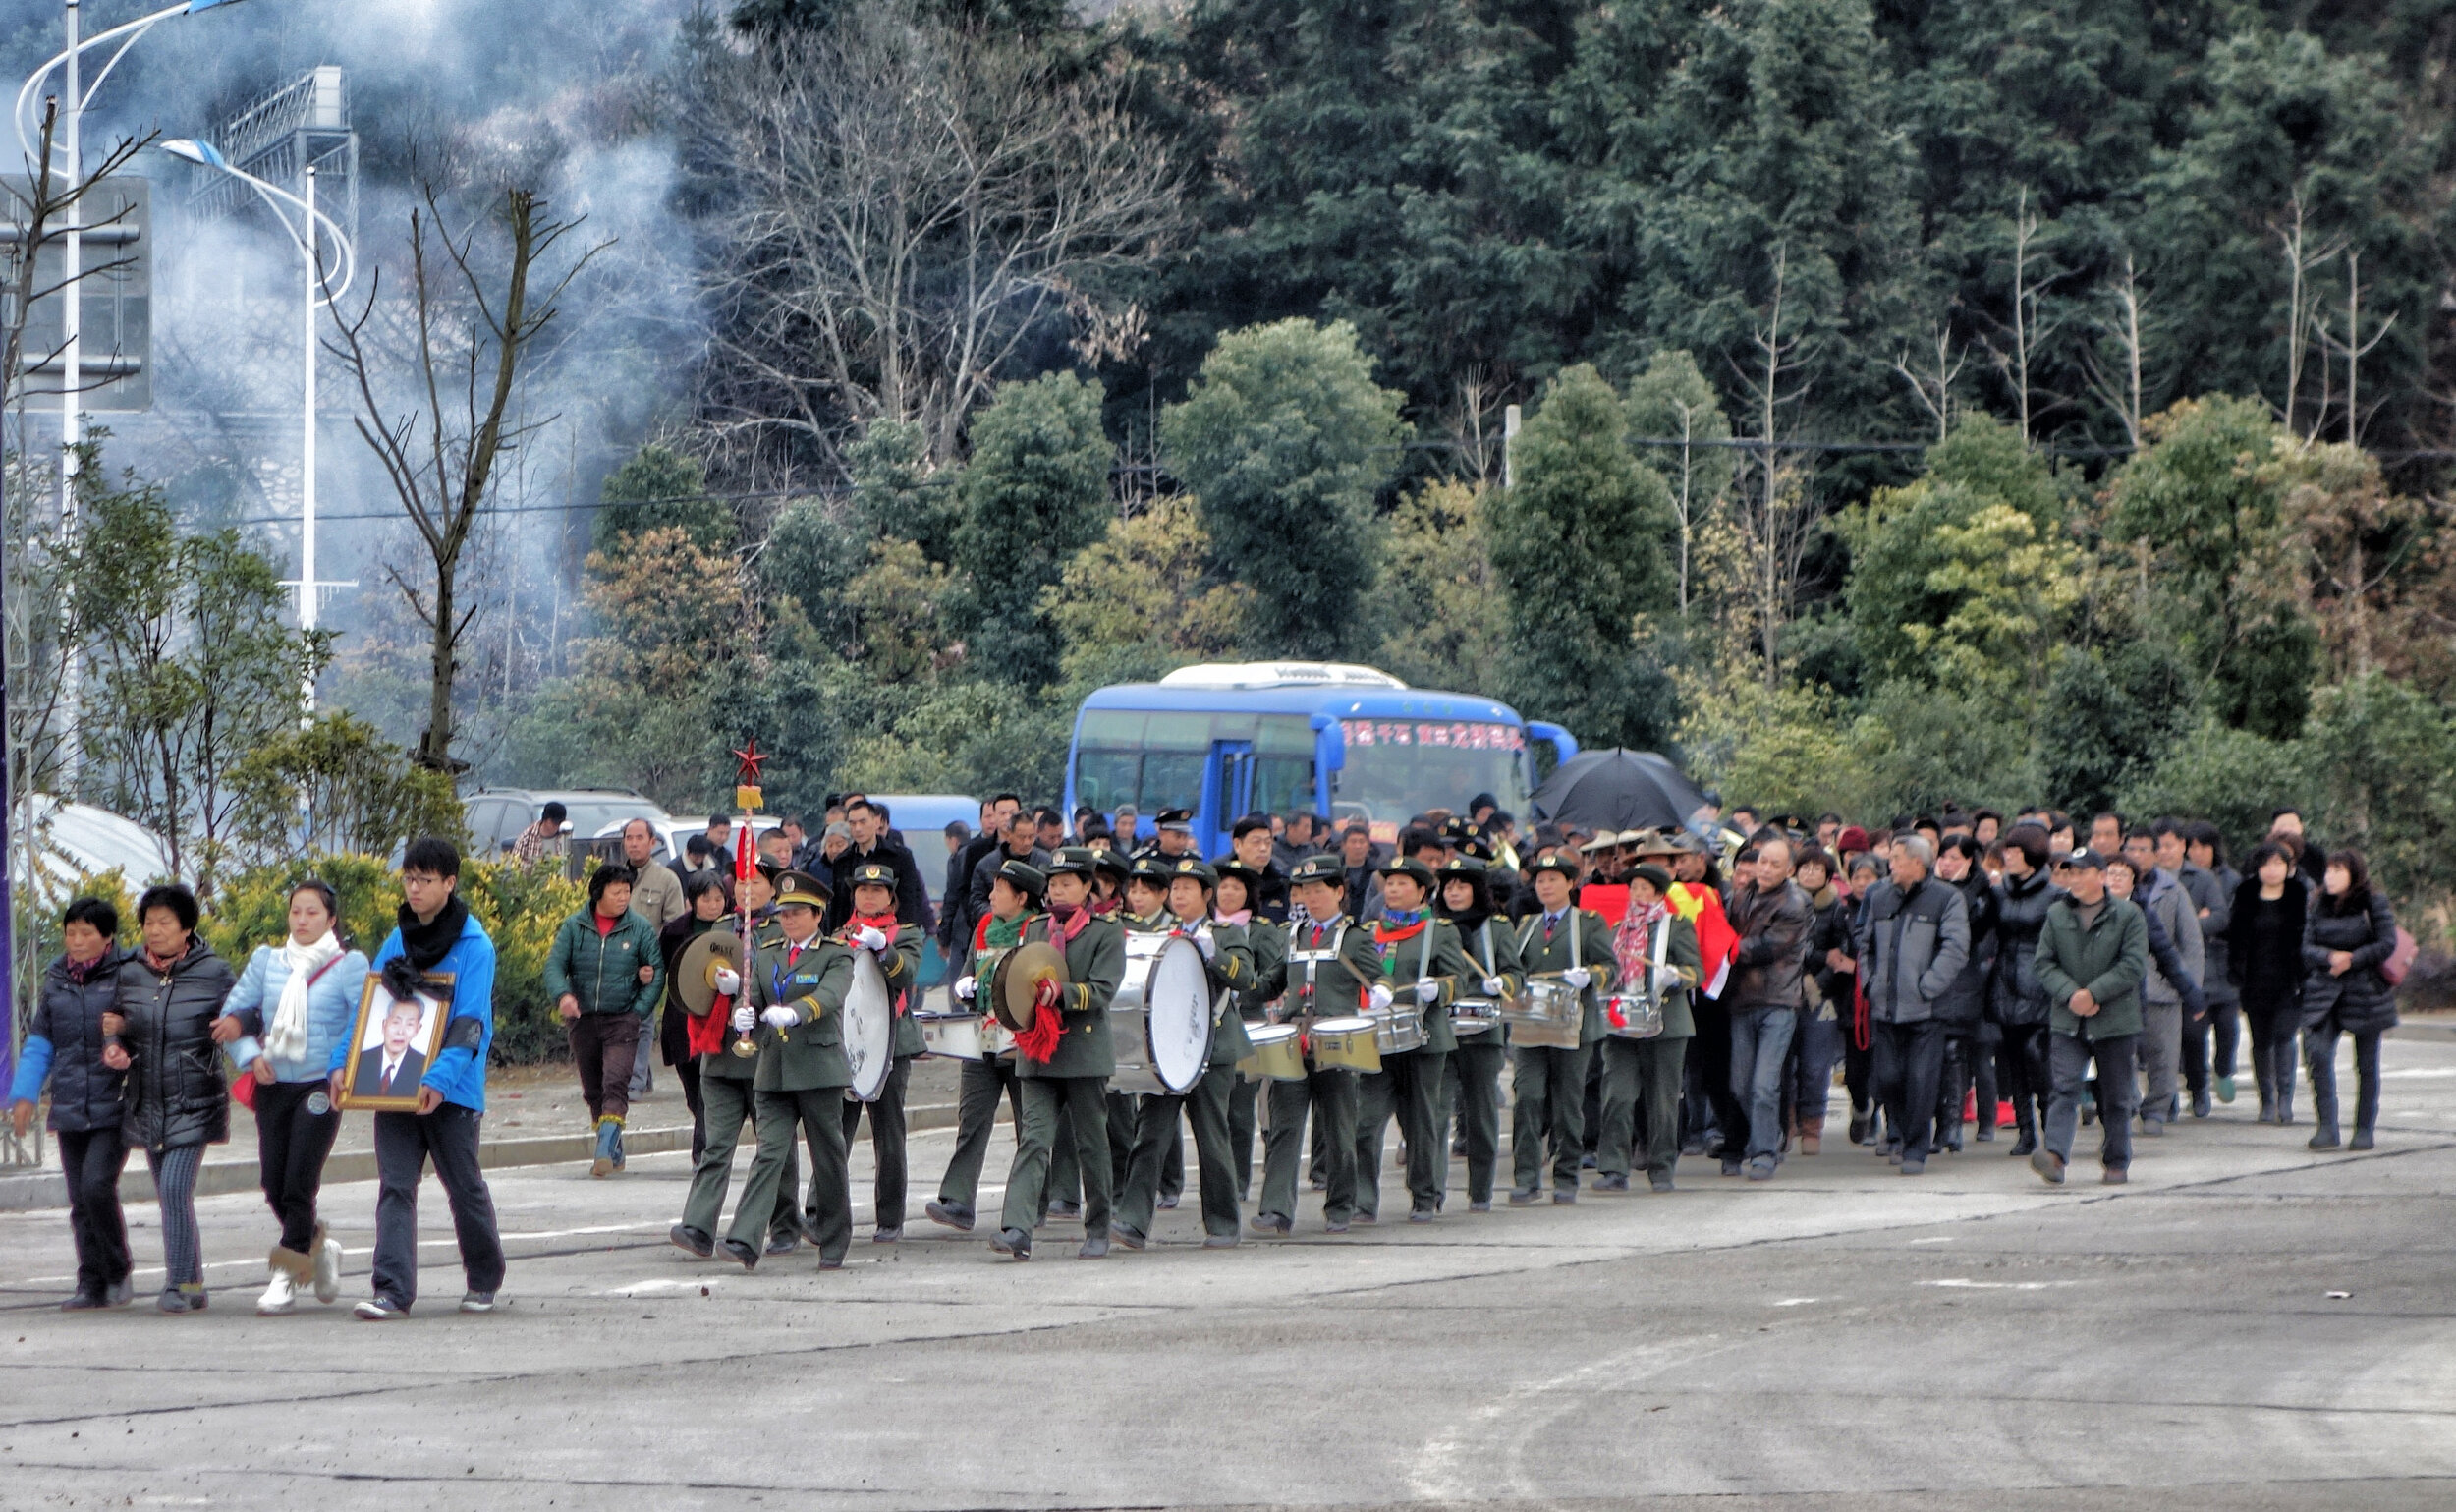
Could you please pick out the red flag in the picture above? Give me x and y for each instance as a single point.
(1715, 942)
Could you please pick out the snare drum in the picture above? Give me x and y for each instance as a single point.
(1474, 1015)
(1277, 1055)
(1398, 1028)
(951, 1036)
(1639, 1018)
(1548, 1013)
(1352, 1042)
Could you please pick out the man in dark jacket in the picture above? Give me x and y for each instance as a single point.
(2211, 884)
(1914, 939)
(1020, 841)
(872, 842)
(2091, 959)
(1773, 917)
(1963, 1007)
(959, 915)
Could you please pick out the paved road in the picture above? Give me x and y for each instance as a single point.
(1840, 1337)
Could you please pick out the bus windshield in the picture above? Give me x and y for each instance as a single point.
(1397, 768)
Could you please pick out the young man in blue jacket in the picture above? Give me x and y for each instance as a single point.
(436, 935)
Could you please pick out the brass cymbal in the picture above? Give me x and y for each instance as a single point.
(1018, 979)
(695, 973)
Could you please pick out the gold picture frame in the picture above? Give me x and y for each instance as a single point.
(383, 1077)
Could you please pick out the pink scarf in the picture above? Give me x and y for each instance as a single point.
(1633, 939)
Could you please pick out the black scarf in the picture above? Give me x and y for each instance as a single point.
(426, 944)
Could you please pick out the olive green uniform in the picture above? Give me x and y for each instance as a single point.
(900, 964)
(1409, 1083)
(1550, 1082)
(1319, 974)
(1643, 1075)
(725, 1103)
(980, 1087)
(1231, 970)
(800, 1086)
(1268, 942)
(1474, 1084)
(1072, 1088)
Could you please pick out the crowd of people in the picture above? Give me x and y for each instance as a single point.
(1689, 990)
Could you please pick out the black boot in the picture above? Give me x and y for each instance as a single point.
(2027, 1121)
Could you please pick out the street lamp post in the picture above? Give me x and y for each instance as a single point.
(304, 235)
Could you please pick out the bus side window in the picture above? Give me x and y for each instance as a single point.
(1105, 780)
(1171, 779)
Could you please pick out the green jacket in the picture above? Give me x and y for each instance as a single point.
(900, 967)
(810, 1056)
(1095, 964)
(1537, 955)
(1268, 942)
(1491, 951)
(1434, 955)
(1326, 989)
(2108, 958)
(603, 970)
(1683, 955)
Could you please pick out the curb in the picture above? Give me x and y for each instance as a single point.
(36, 1189)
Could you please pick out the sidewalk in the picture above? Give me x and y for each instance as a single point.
(534, 1116)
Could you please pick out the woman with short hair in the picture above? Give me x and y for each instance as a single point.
(169, 992)
(707, 902)
(293, 1004)
(2265, 955)
(2348, 934)
(65, 1046)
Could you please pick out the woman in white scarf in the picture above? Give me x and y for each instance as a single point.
(293, 1004)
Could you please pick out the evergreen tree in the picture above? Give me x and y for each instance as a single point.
(1034, 493)
(1285, 439)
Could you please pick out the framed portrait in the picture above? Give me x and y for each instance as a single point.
(393, 1042)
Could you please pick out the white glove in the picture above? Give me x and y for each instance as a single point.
(1666, 980)
(1207, 945)
(965, 986)
(727, 981)
(780, 1017)
(1379, 997)
(871, 938)
(743, 1017)
(1492, 987)
(1426, 990)
(1578, 976)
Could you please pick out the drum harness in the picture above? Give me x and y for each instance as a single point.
(1311, 961)
(1492, 968)
(1577, 928)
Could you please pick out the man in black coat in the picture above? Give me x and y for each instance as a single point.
(873, 842)
(960, 914)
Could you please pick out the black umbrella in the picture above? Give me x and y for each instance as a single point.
(1617, 789)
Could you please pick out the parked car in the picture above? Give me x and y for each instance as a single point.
(672, 834)
(497, 815)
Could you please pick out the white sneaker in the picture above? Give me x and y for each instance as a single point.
(328, 1270)
(280, 1297)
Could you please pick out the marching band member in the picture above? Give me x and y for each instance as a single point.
(1014, 892)
(1229, 963)
(876, 927)
(1491, 974)
(1646, 1073)
(1418, 956)
(725, 1098)
(1064, 1060)
(796, 986)
(1233, 904)
(1328, 966)
(1575, 945)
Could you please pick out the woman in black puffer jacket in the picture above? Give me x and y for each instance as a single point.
(2349, 932)
(2017, 1000)
(1963, 1007)
(66, 1046)
(175, 1103)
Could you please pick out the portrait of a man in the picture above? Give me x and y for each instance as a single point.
(392, 1048)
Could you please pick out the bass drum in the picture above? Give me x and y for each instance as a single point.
(869, 1027)
(1177, 1004)
(1126, 1020)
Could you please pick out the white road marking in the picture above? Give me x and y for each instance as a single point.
(1963, 1283)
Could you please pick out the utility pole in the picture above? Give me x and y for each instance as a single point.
(72, 375)
(309, 588)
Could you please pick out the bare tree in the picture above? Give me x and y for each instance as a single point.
(904, 206)
(2353, 347)
(2302, 257)
(1774, 516)
(2030, 329)
(2119, 389)
(1933, 386)
(440, 453)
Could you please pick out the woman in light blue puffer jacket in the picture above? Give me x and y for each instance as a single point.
(294, 1005)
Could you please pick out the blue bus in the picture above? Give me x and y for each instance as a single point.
(1229, 739)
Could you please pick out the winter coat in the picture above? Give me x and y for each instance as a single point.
(2168, 968)
(2018, 999)
(64, 1044)
(673, 1036)
(2177, 971)
(332, 1009)
(1831, 931)
(2266, 961)
(602, 970)
(175, 1093)
(1964, 1004)
(458, 1073)
(912, 895)
(2360, 1002)
(1911, 946)
(2108, 957)
(2213, 897)
(1773, 929)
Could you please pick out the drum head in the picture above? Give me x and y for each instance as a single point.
(1178, 998)
(1270, 1034)
(1346, 1026)
(869, 1027)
